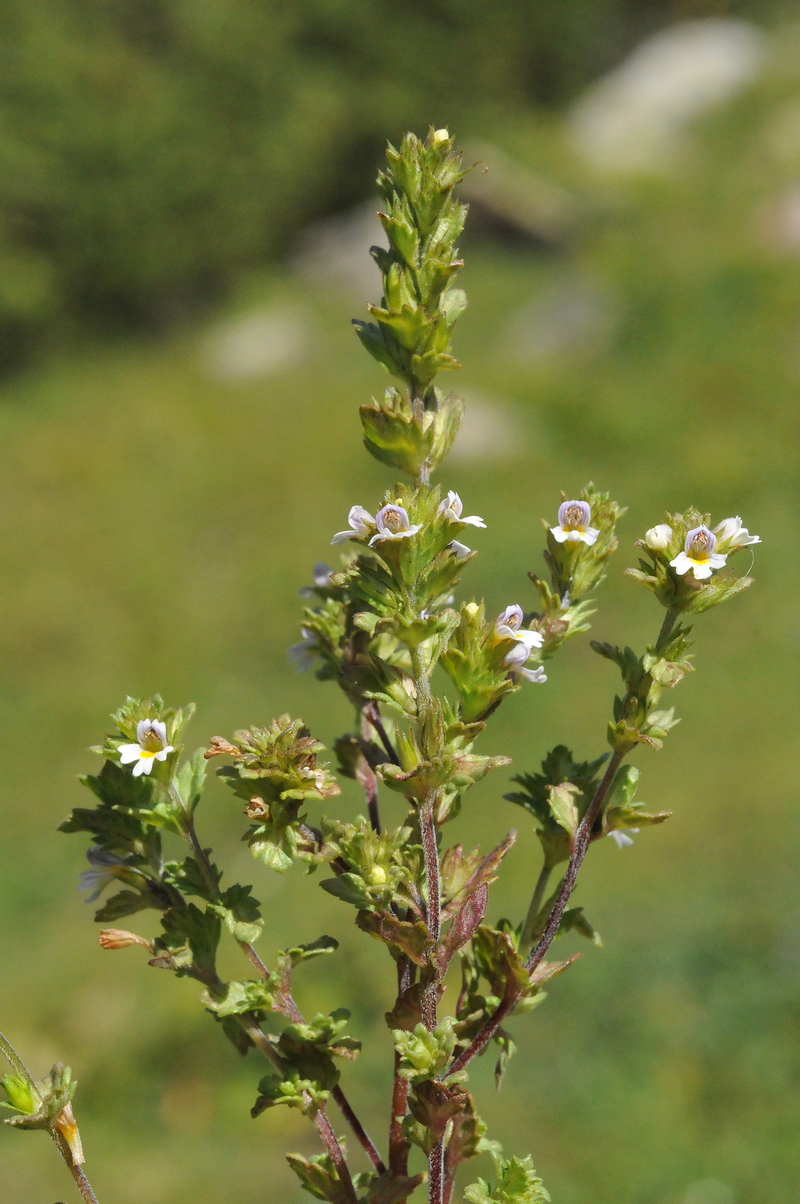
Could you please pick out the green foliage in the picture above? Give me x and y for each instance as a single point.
(558, 768)
(516, 1182)
(276, 769)
(309, 1075)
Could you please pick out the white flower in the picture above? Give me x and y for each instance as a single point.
(459, 550)
(360, 521)
(301, 653)
(451, 507)
(508, 627)
(105, 872)
(731, 532)
(658, 537)
(152, 737)
(621, 839)
(573, 523)
(537, 675)
(698, 554)
(392, 523)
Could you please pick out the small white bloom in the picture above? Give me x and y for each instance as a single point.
(699, 554)
(731, 532)
(621, 839)
(301, 653)
(152, 746)
(459, 550)
(393, 523)
(537, 675)
(658, 537)
(105, 872)
(360, 521)
(573, 523)
(508, 626)
(451, 508)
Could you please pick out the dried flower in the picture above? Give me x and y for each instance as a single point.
(152, 746)
(119, 938)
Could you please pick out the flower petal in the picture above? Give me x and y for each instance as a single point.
(129, 752)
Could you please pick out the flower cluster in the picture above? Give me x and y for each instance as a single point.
(688, 567)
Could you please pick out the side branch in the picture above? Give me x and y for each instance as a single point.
(580, 846)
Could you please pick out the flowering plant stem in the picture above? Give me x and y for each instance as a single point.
(292, 1011)
(49, 1122)
(380, 627)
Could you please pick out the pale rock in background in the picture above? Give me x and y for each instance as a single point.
(255, 345)
(569, 315)
(492, 431)
(633, 119)
(337, 249)
(709, 1191)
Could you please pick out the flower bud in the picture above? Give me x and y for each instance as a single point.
(440, 137)
(658, 538)
(119, 938)
(21, 1094)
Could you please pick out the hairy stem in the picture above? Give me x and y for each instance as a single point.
(19, 1067)
(666, 627)
(321, 1122)
(580, 845)
(529, 927)
(373, 715)
(291, 1008)
(398, 1146)
(427, 824)
(84, 1186)
(436, 1173)
(360, 1133)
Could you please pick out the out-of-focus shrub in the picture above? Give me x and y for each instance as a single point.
(149, 148)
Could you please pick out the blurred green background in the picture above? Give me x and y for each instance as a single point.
(184, 218)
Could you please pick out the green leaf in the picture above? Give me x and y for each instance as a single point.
(191, 778)
(563, 805)
(516, 1183)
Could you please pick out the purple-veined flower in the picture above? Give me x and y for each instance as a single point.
(151, 735)
(658, 538)
(731, 533)
(321, 576)
(622, 839)
(574, 518)
(698, 554)
(301, 653)
(451, 508)
(361, 522)
(104, 872)
(393, 523)
(508, 626)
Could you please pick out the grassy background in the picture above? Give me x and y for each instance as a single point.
(155, 524)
